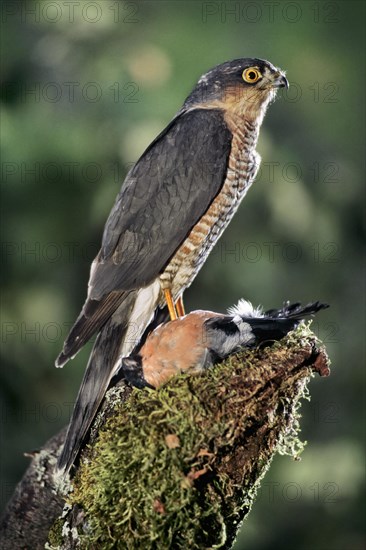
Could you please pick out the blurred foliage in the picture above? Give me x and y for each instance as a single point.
(85, 87)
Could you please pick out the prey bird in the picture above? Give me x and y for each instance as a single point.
(173, 206)
(200, 339)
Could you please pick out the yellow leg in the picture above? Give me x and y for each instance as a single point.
(170, 304)
(180, 307)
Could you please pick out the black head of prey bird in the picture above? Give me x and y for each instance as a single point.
(173, 206)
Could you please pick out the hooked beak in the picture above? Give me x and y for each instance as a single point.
(280, 81)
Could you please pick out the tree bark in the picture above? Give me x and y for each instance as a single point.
(178, 467)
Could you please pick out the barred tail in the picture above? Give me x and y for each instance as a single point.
(117, 338)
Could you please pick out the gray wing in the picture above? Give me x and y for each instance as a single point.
(163, 197)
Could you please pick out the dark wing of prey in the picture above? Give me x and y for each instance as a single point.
(224, 334)
(275, 324)
(163, 197)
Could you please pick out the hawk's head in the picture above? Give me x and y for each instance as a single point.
(243, 85)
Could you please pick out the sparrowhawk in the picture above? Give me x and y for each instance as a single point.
(173, 206)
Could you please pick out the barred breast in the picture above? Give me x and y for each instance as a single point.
(242, 168)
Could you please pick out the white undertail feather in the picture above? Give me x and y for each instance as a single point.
(141, 315)
(244, 308)
(93, 267)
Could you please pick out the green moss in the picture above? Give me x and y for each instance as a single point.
(178, 467)
(55, 534)
(153, 496)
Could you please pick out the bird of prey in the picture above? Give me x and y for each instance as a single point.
(200, 339)
(173, 206)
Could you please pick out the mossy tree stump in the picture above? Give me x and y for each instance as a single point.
(179, 467)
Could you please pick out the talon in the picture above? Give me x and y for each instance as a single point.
(179, 306)
(170, 304)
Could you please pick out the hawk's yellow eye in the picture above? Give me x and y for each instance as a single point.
(251, 75)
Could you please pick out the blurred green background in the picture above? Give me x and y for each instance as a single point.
(85, 87)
